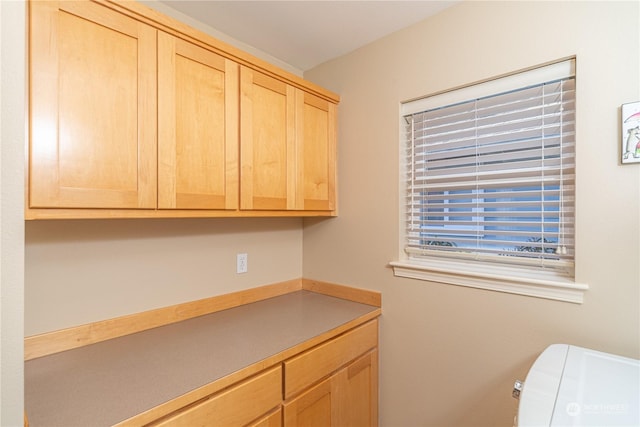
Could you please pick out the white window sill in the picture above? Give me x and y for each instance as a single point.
(494, 278)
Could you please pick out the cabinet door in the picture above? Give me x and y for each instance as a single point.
(314, 407)
(267, 156)
(316, 145)
(198, 127)
(93, 108)
(359, 384)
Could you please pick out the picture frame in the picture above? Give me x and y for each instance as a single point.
(631, 132)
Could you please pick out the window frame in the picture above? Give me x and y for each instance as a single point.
(480, 272)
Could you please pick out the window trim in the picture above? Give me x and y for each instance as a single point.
(482, 275)
(493, 278)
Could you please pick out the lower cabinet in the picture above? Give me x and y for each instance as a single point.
(347, 398)
(336, 383)
(332, 384)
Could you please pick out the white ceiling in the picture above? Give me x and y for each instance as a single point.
(305, 33)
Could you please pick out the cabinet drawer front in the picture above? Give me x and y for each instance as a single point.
(236, 406)
(309, 367)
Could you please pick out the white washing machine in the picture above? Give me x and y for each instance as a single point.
(574, 386)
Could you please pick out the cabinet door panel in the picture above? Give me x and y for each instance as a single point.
(268, 142)
(316, 119)
(313, 408)
(93, 108)
(198, 133)
(359, 405)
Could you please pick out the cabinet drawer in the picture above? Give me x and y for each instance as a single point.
(236, 406)
(310, 366)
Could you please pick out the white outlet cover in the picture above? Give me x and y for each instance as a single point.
(242, 263)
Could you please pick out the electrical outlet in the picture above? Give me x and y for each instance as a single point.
(242, 265)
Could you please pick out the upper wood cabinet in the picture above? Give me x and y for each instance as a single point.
(133, 114)
(198, 130)
(316, 137)
(93, 108)
(288, 146)
(268, 151)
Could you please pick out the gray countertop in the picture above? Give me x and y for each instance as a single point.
(105, 383)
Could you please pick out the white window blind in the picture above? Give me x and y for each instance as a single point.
(491, 178)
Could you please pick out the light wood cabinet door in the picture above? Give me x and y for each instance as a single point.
(198, 127)
(313, 408)
(93, 108)
(267, 154)
(359, 400)
(316, 145)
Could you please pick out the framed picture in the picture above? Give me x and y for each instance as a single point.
(631, 132)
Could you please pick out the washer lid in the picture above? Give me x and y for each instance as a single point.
(574, 386)
(598, 389)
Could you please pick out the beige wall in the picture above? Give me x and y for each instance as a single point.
(449, 354)
(80, 271)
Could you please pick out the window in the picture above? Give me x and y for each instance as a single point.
(490, 184)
